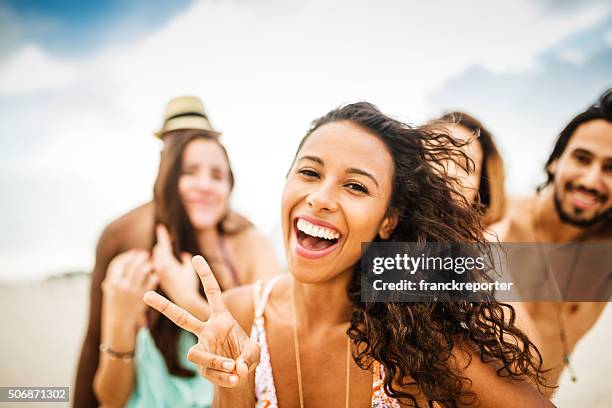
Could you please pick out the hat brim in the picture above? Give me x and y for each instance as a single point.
(186, 122)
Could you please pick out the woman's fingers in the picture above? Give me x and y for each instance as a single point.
(249, 358)
(176, 314)
(139, 273)
(117, 266)
(163, 238)
(151, 282)
(220, 378)
(186, 259)
(211, 286)
(132, 264)
(206, 359)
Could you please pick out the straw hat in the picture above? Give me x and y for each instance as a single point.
(185, 112)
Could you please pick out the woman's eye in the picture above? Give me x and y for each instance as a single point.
(357, 187)
(582, 159)
(217, 176)
(308, 173)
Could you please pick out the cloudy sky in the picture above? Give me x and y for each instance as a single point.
(83, 86)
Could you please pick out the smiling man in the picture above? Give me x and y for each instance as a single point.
(574, 205)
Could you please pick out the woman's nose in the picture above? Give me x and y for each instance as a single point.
(322, 199)
(204, 182)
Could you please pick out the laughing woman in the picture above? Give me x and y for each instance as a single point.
(359, 176)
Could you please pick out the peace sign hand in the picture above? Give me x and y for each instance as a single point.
(224, 352)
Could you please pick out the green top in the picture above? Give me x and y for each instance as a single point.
(155, 387)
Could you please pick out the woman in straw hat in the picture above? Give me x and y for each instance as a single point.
(360, 176)
(136, 355)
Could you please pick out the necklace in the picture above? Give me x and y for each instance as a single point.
(296, 347)
(537, 228)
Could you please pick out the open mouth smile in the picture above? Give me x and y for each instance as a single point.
(314, 238)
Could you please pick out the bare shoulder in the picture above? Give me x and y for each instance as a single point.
(240, 302)
(516, 224)
(493, 389)
(139, 217)
(131, 230)
(254, 255)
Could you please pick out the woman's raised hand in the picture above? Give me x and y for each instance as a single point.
(128, 277)
(224, 352)
(177, 277)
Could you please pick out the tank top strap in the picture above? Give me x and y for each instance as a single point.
(265, 390)
(262, 295)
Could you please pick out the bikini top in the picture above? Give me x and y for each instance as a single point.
(265, 391)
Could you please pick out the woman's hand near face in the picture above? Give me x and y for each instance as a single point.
(177, 277)
(128, 278)
(225, 354)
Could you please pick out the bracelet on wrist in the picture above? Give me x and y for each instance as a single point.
(126, 357)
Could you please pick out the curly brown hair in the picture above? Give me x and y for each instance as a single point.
(416, 343)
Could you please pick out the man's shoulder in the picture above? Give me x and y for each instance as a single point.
(132, 229)
(516, 225)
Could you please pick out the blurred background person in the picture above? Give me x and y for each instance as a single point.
(573, 205)
(189, 215)
(482, 182)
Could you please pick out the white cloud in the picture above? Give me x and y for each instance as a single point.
(264, 70)
(30, 70)
(573, 56)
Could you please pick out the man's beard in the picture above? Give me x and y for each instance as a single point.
(605, 216)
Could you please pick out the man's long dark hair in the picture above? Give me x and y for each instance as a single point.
(600, 110)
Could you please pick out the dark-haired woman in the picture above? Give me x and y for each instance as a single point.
(142, 360)
(359, 176)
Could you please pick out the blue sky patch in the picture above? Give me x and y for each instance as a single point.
(77, 27)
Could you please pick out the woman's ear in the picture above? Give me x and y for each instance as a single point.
(388, 224)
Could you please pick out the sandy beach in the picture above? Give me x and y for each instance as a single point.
(43, 325)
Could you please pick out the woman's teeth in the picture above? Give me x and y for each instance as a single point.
(315, 230)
